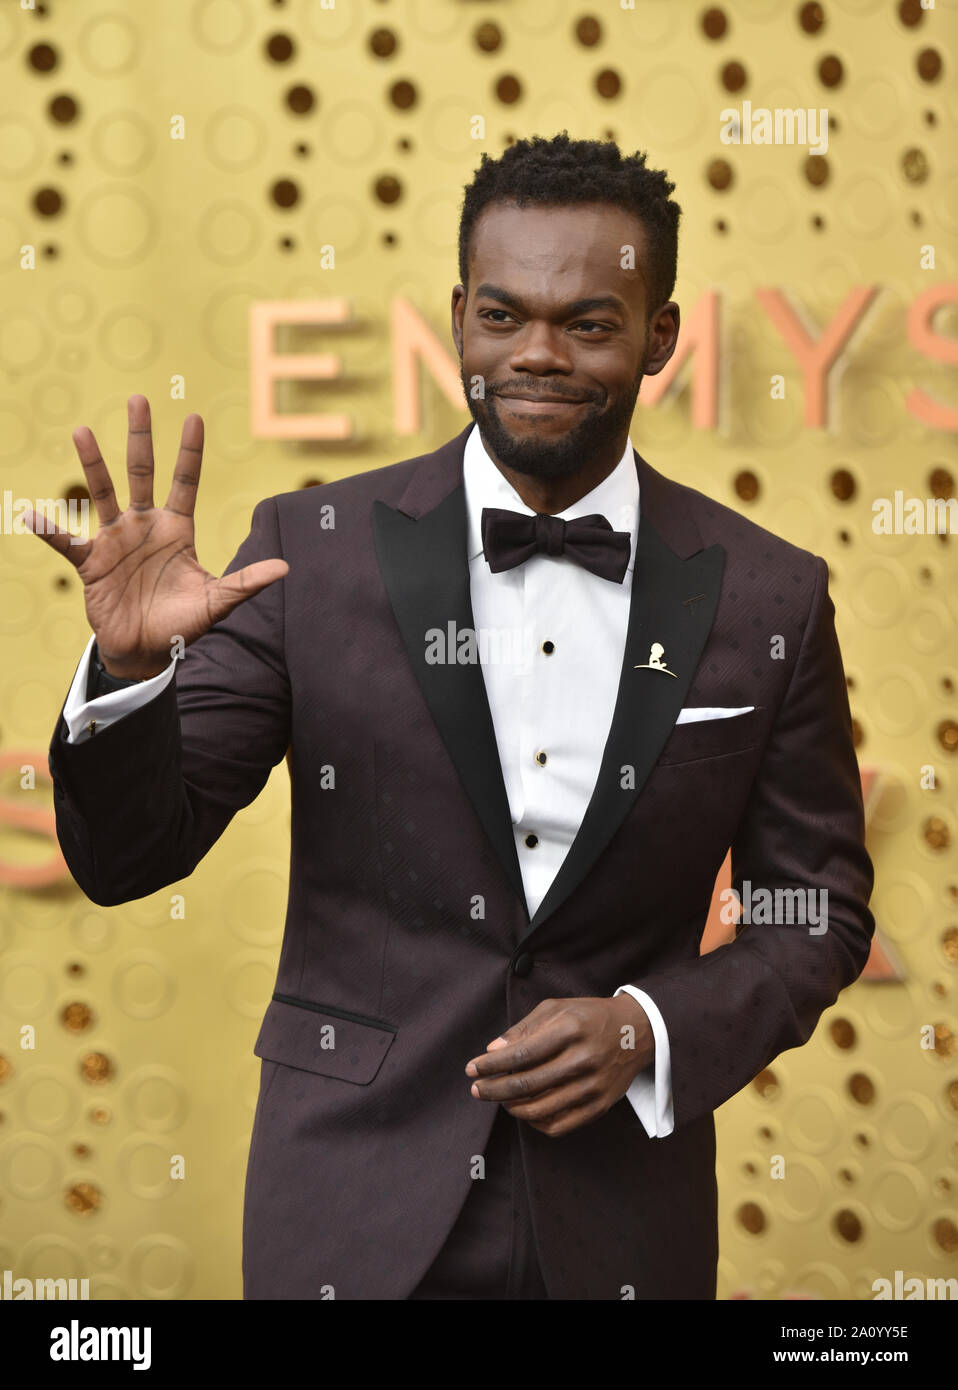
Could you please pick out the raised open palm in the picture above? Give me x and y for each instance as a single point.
(142, 583)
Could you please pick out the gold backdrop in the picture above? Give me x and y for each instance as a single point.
(171, 166)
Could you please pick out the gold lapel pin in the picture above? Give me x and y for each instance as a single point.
(655, 662)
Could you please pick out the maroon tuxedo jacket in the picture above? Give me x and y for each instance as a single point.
(362, 1151)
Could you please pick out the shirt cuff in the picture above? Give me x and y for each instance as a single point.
(650, 1094)
(78, 711)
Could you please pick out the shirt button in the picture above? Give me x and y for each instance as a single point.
(548, 648)
(541, 759)
(532, 841)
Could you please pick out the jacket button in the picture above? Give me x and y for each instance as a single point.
(522, 966)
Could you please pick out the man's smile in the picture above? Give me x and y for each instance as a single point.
(540, 405)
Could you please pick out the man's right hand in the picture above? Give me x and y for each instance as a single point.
(142, 583)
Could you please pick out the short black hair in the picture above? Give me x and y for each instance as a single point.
(562, 171)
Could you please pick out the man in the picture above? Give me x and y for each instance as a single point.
(529, 691)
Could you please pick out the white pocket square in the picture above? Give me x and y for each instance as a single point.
(692, 715)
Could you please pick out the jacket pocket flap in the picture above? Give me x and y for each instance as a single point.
(316, 1038)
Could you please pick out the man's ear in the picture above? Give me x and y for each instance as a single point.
(663, 336)
(459, 296)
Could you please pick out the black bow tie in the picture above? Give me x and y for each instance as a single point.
(509, 538)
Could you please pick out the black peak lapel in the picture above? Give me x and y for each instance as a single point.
(649, 699)
(425, 569)
(421, 546)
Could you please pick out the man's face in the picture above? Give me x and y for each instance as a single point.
(555, 335)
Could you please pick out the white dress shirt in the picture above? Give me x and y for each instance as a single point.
(557, 706)
(551, 713)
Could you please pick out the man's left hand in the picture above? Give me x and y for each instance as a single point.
(566, 1062)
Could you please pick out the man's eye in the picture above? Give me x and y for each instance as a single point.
(488, 315)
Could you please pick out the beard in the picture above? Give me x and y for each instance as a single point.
(552, 458)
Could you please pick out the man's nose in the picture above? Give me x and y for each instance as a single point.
(540, 347)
